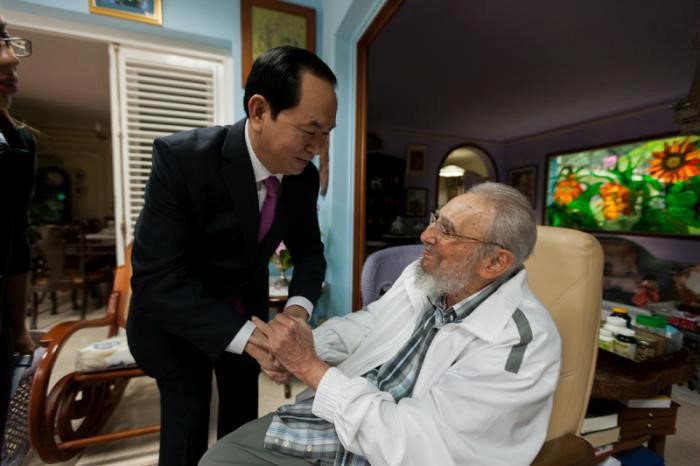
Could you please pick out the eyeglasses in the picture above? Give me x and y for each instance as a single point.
(20, 47)
(445, 233)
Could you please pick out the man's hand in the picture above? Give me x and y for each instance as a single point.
(297, 311)
(273, 369)
(290, 341)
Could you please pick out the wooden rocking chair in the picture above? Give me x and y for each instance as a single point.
(66, 418)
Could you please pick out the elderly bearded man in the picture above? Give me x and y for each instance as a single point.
(455, 365)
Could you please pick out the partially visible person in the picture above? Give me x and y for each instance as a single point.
(218, 202)
(455, 365)
(17, 170)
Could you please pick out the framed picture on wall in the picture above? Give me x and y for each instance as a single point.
(415, 159)
(524, 179)
(144, 12)
(416, 201)
(270, 23)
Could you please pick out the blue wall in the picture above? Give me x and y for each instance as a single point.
(348, 20)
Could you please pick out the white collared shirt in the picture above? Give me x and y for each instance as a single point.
(238, 343)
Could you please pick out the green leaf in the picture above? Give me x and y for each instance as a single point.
(686, 199)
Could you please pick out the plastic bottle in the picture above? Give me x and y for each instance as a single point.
(606, 342)
(674, 339)
(623, 313)
(653, 327)
(654, 324)
(625, 343)
(614, 324)
(646, 348)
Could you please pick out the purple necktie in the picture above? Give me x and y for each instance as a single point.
(267, 212)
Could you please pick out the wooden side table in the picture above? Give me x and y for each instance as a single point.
(616, 379)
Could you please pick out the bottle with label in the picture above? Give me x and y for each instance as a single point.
(614, 324)
(655, 324)
(606, 342)
(654, 328)
(623, 312)
(646, 348)
(625, 343)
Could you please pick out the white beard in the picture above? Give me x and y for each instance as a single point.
(445, 280)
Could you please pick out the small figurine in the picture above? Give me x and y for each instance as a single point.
(648, 292)
(397, 226)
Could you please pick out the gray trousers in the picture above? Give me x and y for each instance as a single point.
(244, 447)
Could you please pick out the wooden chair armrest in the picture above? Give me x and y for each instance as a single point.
(567, 450)
(61, 331)
(54, 340)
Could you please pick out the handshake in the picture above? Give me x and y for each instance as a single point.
(284, 347)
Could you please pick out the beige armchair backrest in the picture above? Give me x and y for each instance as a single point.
(566, 273)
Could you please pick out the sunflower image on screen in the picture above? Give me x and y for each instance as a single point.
(650, 186)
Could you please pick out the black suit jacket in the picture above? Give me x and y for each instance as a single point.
(195, 246)
(17, 173)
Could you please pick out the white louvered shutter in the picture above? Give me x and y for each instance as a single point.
(157, 94)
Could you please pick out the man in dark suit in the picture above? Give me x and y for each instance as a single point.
(204, 239)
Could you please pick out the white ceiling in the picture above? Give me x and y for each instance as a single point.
(503, 69)
(63, 75)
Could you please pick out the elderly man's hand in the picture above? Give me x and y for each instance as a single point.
(290, 341)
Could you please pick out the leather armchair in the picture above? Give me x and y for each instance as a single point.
(566, 273)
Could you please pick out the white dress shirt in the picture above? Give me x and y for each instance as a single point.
(239, 341)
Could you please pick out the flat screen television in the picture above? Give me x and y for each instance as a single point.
(650, 186)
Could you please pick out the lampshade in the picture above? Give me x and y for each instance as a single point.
(451, 171)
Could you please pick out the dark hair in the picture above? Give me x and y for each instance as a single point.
(276, 75)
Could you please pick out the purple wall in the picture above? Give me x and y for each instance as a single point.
(653, 122)
(395, 140)
(534, 150)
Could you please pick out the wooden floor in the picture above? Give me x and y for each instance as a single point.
(140, 407)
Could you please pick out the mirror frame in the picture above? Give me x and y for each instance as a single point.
(484, 156)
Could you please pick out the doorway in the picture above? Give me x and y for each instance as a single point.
(463, 167)
(64, 96)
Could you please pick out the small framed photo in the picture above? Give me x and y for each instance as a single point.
(270, 23)
(150, 12)
(415, 159)
(416, 200)
(524, 179)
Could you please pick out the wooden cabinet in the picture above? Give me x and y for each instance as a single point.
(619, 380)
(638, 422)
(385, 177)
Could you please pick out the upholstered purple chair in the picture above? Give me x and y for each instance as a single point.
(383, 267)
